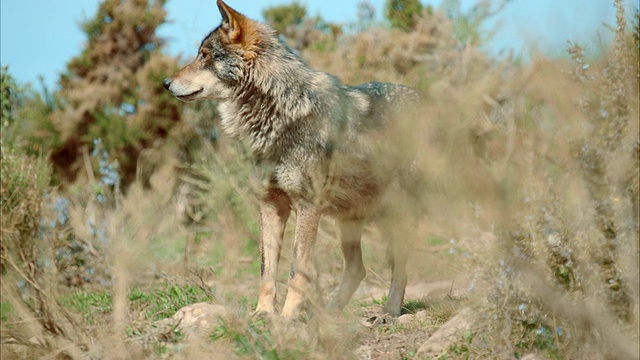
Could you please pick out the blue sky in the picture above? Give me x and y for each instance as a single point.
(38, 38)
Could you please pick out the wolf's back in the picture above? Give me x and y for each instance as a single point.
(388, 101)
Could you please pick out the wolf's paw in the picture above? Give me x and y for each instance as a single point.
(261, 314)
(393, 310)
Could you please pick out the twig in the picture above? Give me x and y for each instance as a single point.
(24, 276)
(555, 331)
(87, 164)
(379, 277)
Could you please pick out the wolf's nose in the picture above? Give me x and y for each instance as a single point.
(166, 83)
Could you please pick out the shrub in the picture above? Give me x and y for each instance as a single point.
(113, 91)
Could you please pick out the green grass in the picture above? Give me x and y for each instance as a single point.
(157, 303)
(437, 241)
(413, 306)
(460, 349)
(6, 311)
(373, 302)
(90, 304)
(163, 302)
(254, 340)
(542, 339)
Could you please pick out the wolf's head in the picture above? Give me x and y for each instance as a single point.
(223, 58)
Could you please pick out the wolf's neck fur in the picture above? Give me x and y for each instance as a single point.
(278, 92)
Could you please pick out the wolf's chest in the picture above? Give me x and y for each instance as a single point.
(351, 190)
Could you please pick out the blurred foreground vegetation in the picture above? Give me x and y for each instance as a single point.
(120, 205)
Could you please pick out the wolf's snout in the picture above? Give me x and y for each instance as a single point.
(166, 83)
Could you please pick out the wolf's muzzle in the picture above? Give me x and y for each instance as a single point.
(166, 83)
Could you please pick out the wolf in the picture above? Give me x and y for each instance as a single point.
(319, 145)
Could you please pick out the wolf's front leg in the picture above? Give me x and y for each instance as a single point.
(302, 268)
(274, 212)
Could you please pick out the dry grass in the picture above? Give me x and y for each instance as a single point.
(530, 200)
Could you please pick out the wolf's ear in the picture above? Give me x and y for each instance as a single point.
(238, 29)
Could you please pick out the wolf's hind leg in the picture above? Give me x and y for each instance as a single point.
(275, 209)
(349, 233)
(397, 254)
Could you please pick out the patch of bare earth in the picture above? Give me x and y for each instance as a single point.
(428, 307)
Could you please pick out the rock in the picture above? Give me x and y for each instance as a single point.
(421, 315)
(447, 334)
(406, 318)
(194, 319)
(364, 352)
(532, 356)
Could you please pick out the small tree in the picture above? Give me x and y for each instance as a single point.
(113, 90)
(470, 26)
(400, 13)
(299, 30)
(26, 123)
(8, 89)
(366, 15)
(283, 16)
